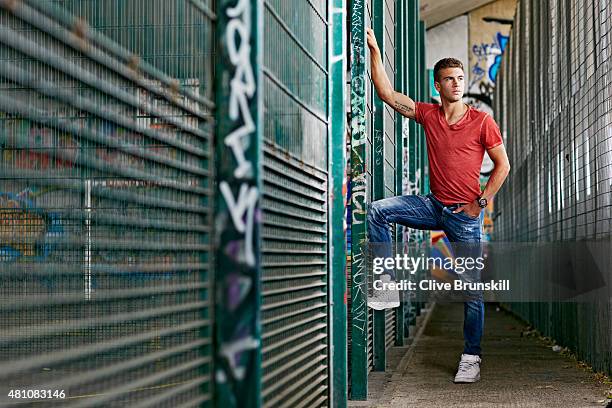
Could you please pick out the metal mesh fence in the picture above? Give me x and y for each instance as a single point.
(389, 128)
(379, 147)
(105, 185)
(553, 104)
(295, 357)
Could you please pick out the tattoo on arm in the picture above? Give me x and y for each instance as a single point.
(404, 108)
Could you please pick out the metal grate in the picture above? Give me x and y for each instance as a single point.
(558, 125)
(376, 166)
(390, 125)
(105, 185)
(295, 362)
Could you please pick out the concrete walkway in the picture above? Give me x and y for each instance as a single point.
(517, 371)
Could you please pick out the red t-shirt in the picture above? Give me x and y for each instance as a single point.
(456, 151)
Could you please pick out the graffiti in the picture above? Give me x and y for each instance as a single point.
(358, 121)
(25, 228)
(238, 214)
(242, 89)
(238, 288)
(22, 226)
(17, 133)
(482, 83)
(357, 38)
(379, 149)
(247, 199)
(233, 351)
(358, 80)
(481, 102)
(358, 196)
(111, 155)
(488, 59)
(154, 109)
(359, 310)
(25, 145)
(358, 170)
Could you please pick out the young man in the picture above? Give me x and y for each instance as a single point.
(457, 136)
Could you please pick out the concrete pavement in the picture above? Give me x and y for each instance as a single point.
(517, 370)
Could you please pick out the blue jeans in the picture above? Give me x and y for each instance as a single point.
(427, 213)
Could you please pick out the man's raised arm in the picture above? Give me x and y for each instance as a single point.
(400, 102)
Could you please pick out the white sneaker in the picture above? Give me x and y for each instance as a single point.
(469, 369)
(384, 299)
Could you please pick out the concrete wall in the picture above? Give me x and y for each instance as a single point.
(479, 44)
(449, 39)
(487, 41)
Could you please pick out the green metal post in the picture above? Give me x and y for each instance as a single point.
(406, 53)
(424, 162)
(419, 133)
(359, 322)
(412, 61)
(378, 171)
(426, 98)
(337, 162)
(399, 142)
(237, 351)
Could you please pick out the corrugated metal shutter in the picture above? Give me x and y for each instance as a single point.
(105, 173)
(389, 131)
(295, 363)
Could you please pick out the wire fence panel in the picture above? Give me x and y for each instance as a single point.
(295, 341)
(390, 125)
(559, 139)
(105, 201)
(377, 168)
(357, 313)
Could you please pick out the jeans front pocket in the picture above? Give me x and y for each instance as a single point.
(465, 216)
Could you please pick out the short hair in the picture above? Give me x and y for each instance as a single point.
(446, 63)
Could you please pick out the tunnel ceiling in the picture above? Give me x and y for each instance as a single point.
(435, 12)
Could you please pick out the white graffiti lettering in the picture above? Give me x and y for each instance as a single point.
(242, 85)
(359, 305)
(358, 199)
(247, 199)
(231, 351)
(241, 206)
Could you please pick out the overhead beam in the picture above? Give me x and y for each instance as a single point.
(435, 12)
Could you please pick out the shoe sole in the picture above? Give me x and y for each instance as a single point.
(465, 380)
(383, 305)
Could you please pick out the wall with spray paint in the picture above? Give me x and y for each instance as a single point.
(105, 200)
(477, 39)
(489, 28)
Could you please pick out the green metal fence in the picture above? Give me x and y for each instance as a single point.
(105, 180)
(122, 217)
(119, 210)
(553, 105)
(386, 159)
(237, 222)
(295, 245)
